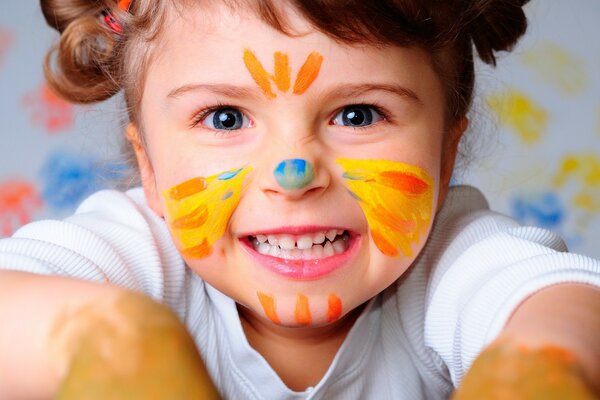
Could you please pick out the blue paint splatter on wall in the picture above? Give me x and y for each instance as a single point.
(69, 178)
(545, 210)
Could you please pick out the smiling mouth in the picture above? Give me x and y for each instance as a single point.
(314, 246)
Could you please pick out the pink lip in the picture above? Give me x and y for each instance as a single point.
(303, 269)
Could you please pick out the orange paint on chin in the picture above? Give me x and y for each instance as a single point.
(334, 310)
(302, 313)
(308, 72)
(268, 304)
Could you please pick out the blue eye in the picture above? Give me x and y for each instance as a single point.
(226, 119)
(357, 116)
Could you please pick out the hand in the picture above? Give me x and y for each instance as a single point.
(509, 371)
(133, 349)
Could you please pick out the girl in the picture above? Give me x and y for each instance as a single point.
(295, 214)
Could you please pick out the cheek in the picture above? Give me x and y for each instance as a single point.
(397, 200)
(198, 210)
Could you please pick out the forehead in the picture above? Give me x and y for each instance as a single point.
(207, 43)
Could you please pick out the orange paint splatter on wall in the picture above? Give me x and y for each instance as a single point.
(48, 110)
(282, 73)
(198, 210)
(6, 40)
(519, 112)
(18, 200)
(397, 200)
(334, 309)
(268, 304)
(558, 68)
(302, 312)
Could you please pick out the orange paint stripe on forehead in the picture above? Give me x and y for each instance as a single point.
(268, 304)
(281, 77)
(334, 310)
(302, 312)
(202, 250)
(193, 220)
(187, 188)
(308, 72)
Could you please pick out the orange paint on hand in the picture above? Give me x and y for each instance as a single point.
(302, 312)
(202, 250)
(195, 219)
(308, 72)
(187, 188)
(268, 304)
(334, 310)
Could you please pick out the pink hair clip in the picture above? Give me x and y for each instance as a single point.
(111, 21)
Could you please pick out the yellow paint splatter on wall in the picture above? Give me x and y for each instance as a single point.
(584, 171)
(557, 67)
(519, 112)
(397, 200)
(198, 210)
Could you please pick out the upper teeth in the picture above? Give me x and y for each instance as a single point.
(302, 242)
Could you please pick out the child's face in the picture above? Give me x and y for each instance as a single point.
(208, 108)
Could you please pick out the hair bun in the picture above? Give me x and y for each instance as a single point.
(495, 25)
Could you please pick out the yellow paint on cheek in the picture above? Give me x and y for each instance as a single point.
(520, 113)
(282, 73)
(397, 200)
(198, 210)
(558, 68)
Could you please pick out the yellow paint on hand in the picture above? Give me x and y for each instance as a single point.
(520, 113)
(558, 68)
(198, 210)
(282, 73)
(505, 371)
(397, 200)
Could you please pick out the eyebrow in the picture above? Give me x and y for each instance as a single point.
(357, 90)
(222, 89)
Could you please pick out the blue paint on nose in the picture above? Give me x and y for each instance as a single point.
(294, 173)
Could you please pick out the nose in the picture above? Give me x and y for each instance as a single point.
(294, 178)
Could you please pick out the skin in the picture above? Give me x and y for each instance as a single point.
(133, 348)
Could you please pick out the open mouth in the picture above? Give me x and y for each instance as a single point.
(302, 247)
(305, 256)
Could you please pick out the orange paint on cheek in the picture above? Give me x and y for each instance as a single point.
(193, 220)
(403, 182)
(302, 312)
(200, 251)
(334, 311)
(308, 72)
(187, 188)
(268, 304)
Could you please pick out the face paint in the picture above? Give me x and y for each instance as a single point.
(268, 304)
(282, 74)
(302, 312)
(334, 310)
(294, 173)
(397, 200)
(198, 210)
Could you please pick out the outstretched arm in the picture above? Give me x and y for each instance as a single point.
(551, 345)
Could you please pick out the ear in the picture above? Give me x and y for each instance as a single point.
(449, 152)
(145, 167)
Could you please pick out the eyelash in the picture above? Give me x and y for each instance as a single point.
(201, 114)
(385, 116)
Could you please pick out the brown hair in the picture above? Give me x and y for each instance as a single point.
(91, 63)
